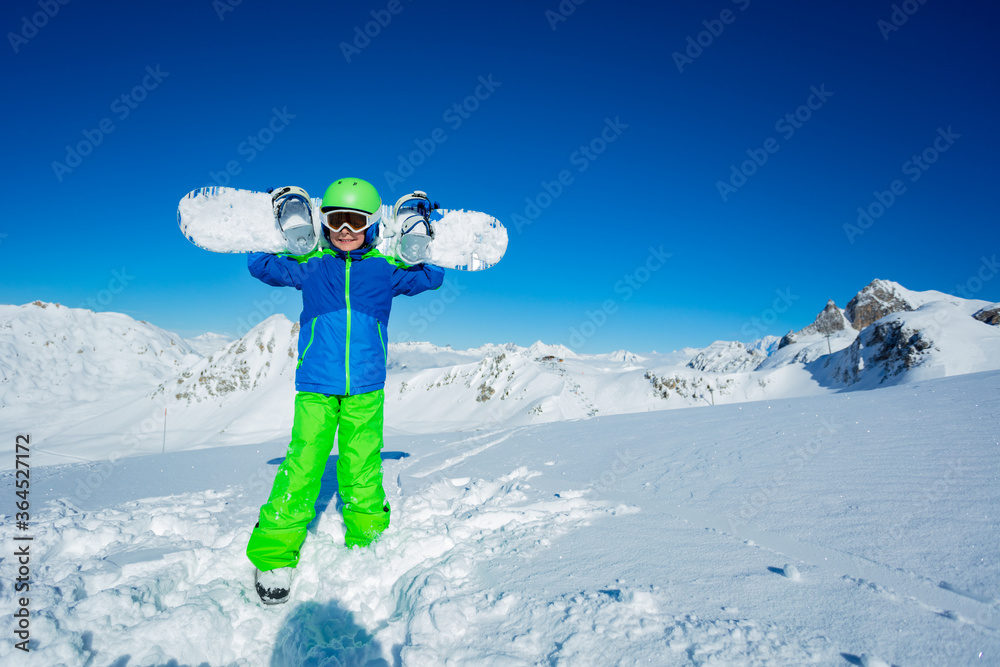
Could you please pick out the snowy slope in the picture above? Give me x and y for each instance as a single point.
(851, 528)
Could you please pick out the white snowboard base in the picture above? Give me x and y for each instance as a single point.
(230, 220)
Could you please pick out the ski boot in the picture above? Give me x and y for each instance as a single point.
(273, 586)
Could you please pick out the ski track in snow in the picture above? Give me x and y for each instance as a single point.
(455, 460)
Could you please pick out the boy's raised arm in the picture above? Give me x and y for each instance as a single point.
(276, 270)
(416, 279)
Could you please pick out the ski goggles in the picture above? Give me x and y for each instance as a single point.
(336, 219)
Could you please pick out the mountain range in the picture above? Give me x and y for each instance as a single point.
(84, 382)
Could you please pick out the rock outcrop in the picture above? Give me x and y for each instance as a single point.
(989, 314)
(878, 299)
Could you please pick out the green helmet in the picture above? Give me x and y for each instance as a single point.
(352, 193)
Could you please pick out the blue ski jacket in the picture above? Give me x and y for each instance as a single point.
(346, 298)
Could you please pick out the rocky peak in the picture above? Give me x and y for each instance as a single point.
(829, 321)
(878, 299)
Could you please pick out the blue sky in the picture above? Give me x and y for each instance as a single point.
(710, 154)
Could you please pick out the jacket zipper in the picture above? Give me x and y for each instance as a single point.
(347, 296)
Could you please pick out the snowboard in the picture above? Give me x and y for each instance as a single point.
(413, 230)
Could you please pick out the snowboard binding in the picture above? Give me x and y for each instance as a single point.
(412, 227)
(293, 213)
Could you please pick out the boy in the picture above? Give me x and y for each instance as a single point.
(346, 297)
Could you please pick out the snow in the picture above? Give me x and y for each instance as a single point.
(836, 505)
(467, 229)
(799, 531)
(243, 228)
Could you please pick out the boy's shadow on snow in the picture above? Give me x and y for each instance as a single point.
(328, 483)
(325, 634)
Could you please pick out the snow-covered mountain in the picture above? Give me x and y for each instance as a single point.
(51, 354)
(727, 357)
(79, 373)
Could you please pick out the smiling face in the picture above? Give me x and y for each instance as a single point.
(346, 239)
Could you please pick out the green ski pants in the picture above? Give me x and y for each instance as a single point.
(281, 530)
